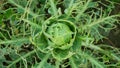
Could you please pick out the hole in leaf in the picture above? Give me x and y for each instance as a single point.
(7, 57)
(5, 64)
(51, 61)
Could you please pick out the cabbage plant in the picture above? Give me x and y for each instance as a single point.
(57, 36)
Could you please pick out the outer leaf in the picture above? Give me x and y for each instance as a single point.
(40, 41)
(61, 54)
(77, 43)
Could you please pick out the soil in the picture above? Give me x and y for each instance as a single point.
(114, 35)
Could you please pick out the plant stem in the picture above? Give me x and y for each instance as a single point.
(83, 10)
(32, 24)
(28, 54)
(14, 41)
(19, 6)
(101, 20)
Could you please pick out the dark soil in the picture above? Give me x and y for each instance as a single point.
(114, 35)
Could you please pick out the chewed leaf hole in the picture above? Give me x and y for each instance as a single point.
(5, 64)
(7, 57)
(51, 61)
